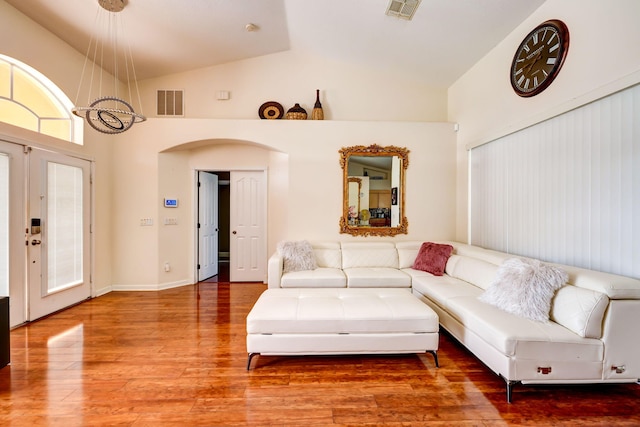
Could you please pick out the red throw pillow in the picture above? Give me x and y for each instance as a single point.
(432, 258)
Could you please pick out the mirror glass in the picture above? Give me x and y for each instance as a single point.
(373, 190)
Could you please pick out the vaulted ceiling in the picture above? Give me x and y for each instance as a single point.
(442, 41)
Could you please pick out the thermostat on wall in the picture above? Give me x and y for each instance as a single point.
(170, 203)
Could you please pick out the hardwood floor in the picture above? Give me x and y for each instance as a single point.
(178, 357)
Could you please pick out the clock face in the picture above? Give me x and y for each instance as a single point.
(539, 58)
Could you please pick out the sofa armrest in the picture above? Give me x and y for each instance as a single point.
(274, 270)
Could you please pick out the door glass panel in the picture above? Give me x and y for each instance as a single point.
(4, 224)
(64, 227)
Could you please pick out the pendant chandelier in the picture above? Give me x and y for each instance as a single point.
(110, 113)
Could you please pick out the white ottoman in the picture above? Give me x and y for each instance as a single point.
(317, 321)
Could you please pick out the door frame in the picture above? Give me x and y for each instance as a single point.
(196, 213)
(17, 220)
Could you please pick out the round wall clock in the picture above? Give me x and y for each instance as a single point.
(539, 58)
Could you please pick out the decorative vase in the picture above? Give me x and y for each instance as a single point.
(317, 113)
(296, 113)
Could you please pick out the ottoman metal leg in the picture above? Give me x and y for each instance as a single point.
(251, 355)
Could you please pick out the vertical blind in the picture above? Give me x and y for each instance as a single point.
(566, 190)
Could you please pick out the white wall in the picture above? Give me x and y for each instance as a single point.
(26, 41)
(159, 158)
(347, 92)
(302, 158)
(361, 106)
(603, 57)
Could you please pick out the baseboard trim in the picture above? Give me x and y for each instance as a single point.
(103, 291)
(151, 287)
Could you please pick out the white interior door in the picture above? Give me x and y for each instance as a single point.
(207, 225)
(59, 250)
(247, 261)
(12, 230)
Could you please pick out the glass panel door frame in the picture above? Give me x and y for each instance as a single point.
(14, 209)
(51, 175)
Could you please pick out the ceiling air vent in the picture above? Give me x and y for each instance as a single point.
(404, 9)
(170, 103)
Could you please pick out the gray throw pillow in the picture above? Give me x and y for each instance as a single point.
(298, 256)
(525, 287)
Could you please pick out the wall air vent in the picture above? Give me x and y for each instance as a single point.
(170, 103)
(404, 9)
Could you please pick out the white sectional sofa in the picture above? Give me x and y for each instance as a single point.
(340, 265)
(592, 335)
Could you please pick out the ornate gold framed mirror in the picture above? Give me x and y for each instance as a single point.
(373, 190)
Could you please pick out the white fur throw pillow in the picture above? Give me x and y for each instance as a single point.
(525, 287)
(297, 256)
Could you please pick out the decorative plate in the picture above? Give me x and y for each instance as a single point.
(271, 110)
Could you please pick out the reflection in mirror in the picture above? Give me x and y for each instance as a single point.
(373, 190)
(355, 189)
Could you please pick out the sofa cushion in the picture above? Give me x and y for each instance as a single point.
(321, 277)
(328, 254)
(377, 277)
(297, 256)
(580, 310)
(441, 288)
(475, 271)
(511, 335)
(432, 258)
(488, 255)
(525, 287)
(520, 337)
(407, 253)
(615, 286)
(369, 254)
(416, 273)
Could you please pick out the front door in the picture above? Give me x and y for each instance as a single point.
(247, 221)
(58, 232)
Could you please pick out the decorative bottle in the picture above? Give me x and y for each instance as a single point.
(317, 113)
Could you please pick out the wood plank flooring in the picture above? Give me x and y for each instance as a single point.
(178, 358)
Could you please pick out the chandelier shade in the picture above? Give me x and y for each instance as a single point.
(109, 112)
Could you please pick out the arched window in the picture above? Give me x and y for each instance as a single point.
(30, 100)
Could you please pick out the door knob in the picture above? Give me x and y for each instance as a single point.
(36, 242)
(234, 232)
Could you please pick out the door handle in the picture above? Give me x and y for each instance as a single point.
(234, 232)
(35, 242)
